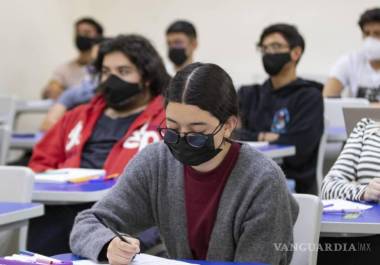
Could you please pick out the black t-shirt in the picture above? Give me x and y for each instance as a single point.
(107, 132)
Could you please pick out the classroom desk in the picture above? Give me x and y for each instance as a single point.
(33, 106)
(203, 262)
(13, 214)
(25, 141)
(276, 151)
(336, 134)
(70, 193)
(368, 223)
(71, 257)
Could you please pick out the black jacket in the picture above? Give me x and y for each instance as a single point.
(295, 111)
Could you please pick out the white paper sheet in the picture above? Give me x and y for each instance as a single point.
(140, 259)
(68, 174)
(343, 206)
(256, 144)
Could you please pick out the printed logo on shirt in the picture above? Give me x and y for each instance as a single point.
(74, 136)
(141, 138)
(280, 121)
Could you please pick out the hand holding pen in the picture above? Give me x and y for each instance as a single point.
(122, 249)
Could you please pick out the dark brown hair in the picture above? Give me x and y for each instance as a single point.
(207, 86)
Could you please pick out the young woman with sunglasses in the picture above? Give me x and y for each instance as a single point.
(211, 198)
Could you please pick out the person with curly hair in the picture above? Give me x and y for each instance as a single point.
(106, 133)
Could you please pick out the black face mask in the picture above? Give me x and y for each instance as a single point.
(84, 43)
(190, 155)
(177, 56)
(274, 62)
(118, 92)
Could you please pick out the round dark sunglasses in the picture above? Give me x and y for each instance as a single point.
(194, 139)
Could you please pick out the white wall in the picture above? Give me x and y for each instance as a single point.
(37, 34)
(228, 30)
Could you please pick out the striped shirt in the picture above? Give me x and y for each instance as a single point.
(357, 165)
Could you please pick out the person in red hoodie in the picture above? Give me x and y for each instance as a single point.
(105, 133)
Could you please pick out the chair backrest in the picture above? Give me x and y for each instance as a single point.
(321, 156)
(306, 229)
(7, 117)
(17, 187)
(7, 110)
(5, 140)
(18, 184)
(334, 108)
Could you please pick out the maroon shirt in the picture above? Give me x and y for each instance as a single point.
(202, 194)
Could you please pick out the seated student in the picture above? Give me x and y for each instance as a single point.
(181, 39)
(75, 95)
(87, 30)
(211, 198)
(355, 176)
(359, 72)
(106, 133)
(285, 109)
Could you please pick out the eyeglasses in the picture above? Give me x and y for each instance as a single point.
(194, 139)
(272, 48)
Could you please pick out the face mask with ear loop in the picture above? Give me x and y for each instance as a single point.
(371, 49)
(275, 62)
(118, 92)
(84, 43)
(192, 149)
(178, 56)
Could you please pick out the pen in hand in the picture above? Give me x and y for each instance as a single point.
(110, 228)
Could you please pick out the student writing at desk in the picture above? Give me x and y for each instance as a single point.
(355, 176)
(105, 133)
(211, 198)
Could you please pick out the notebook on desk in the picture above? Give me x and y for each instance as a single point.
(69, 175)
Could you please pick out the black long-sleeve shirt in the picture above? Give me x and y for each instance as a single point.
(295, 112)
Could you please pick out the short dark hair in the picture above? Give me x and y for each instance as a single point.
(370, 15)
(98, 27)
(207, 86)
(182, 26)
(142, 54)
(101, 39)
(289, 32)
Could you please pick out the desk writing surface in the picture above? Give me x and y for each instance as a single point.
(51, 193)
(16, 212)
(367, 223)
(73, 187)
(71, 257)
